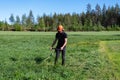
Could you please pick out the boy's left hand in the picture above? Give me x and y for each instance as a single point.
(61, 48)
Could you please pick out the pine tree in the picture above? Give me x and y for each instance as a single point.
(12, 20)
(23, 21)
(30, 20)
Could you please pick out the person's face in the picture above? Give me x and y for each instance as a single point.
(60, 31)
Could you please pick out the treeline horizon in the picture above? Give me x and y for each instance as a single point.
(98, 19)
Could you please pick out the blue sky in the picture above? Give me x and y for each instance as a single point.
(39, 7)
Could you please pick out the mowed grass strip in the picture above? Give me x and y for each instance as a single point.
(112, 50)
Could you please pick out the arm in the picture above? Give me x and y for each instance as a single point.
(64, 44)
(54, 42)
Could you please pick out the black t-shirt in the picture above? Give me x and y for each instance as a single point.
(61, 39)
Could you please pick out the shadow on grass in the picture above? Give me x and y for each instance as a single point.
(13, 59)
(39, 60)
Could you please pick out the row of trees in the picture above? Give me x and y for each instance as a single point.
(105, 18)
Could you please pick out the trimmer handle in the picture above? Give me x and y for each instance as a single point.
(56, 49)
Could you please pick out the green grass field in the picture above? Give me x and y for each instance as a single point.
(89, 56)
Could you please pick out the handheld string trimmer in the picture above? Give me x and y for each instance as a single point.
(49, 55)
